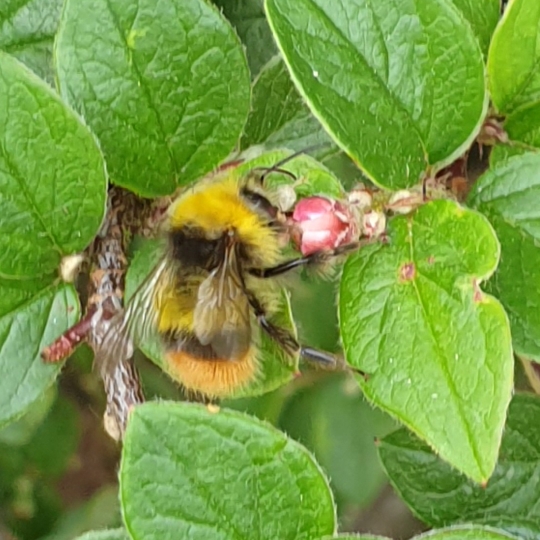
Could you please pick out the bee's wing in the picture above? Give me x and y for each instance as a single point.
(112, 341)
(135, 322)
(221, 317)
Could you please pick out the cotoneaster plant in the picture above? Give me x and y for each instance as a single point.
(109, 107)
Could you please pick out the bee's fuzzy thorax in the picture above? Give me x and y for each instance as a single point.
(216, 207)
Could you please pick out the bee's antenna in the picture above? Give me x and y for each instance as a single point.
(277, 166)
(269, 170)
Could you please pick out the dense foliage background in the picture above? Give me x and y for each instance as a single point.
(149, 96)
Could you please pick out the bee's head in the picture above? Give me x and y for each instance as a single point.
(259, 201)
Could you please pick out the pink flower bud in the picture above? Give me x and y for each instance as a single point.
(321, 223)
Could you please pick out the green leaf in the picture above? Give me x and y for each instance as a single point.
(267, 407)
(186, 472)
(36, 502)
(249, 20)
(20, 433)
(279, 116)
(514, 57)
(100, 512)
(508, 195)
(111, 534)
(55, 440)
(440, 496)
(164, 86)
(437, 350)
(523, 130)
(502, 152)
(317, 327)
(483, 18)
(465, 532)
(524, 125)
(358, 64)
(24, 330)
(27, 29)
(341, 432)
(52, 177)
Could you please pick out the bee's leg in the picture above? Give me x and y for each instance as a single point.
(284, 338)
(321, 359)
(280, 335)
(327, 361)
(318, 257)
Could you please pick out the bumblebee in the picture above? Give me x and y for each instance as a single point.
(216, 287)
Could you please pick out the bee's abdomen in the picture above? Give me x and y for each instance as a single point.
(186, 342)
(215, 378)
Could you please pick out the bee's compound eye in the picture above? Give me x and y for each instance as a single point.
(259, 202)
(191, 248)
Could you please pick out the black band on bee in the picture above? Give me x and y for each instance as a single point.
(184, 341)
(192, 248)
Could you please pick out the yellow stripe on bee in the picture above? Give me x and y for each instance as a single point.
(175, 306)
(172, 317)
